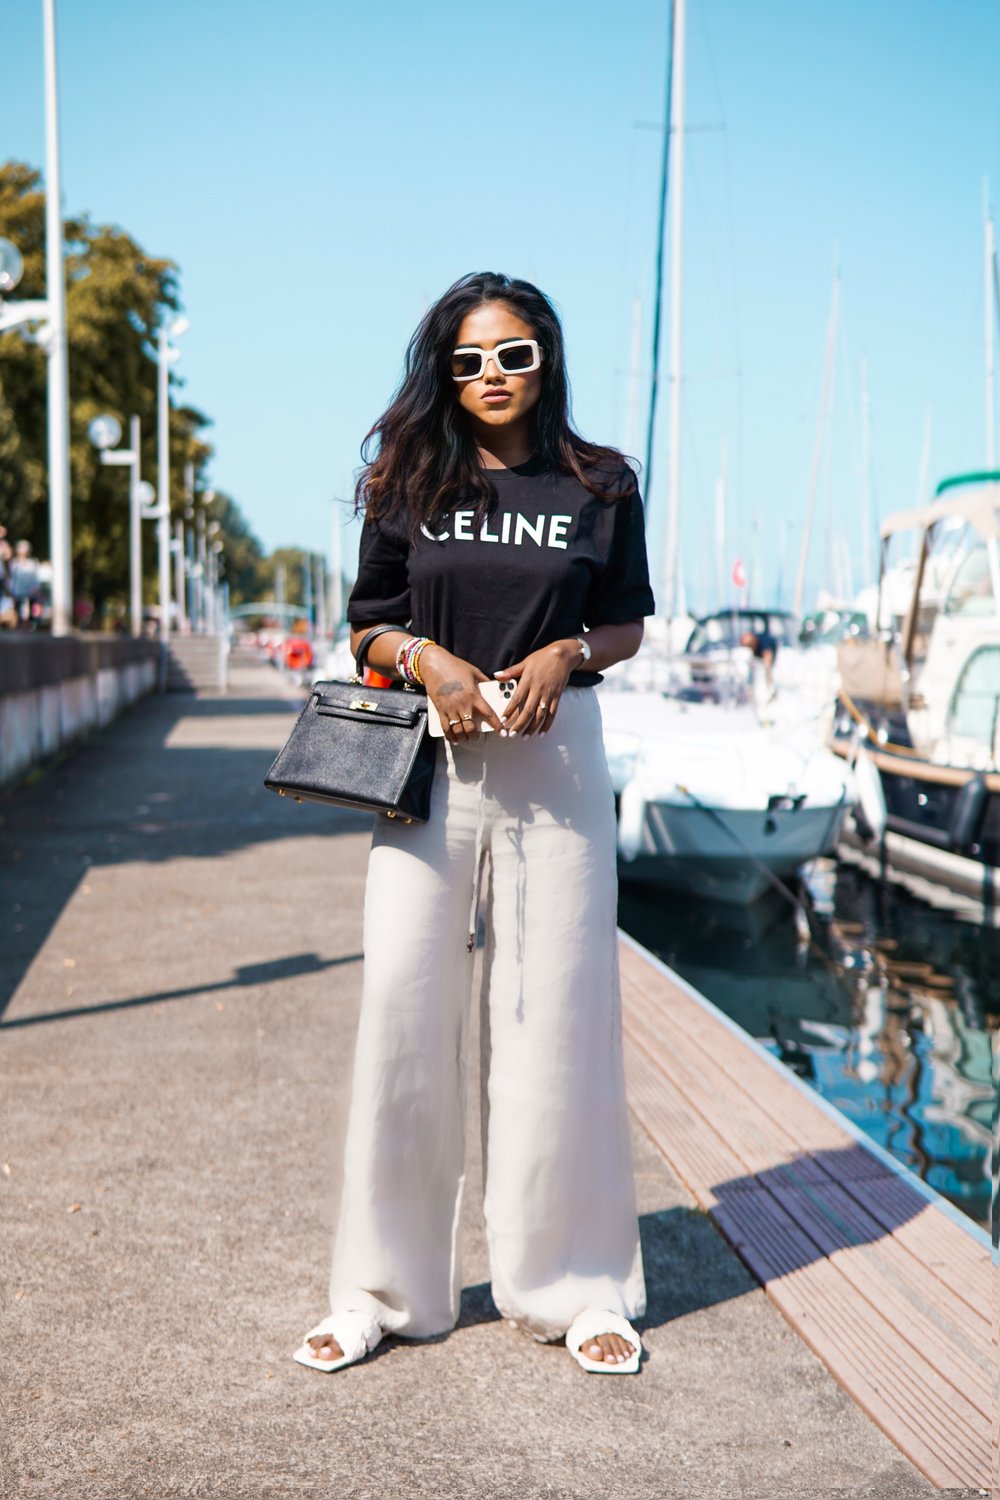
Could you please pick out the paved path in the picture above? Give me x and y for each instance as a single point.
(183, 970)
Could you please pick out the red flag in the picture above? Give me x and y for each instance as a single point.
(738, 576)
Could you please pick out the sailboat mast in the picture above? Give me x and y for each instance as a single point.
(990, 276)
(867, 534)
(676, 246)
(831, 344)
(720, 527)
(654, 384)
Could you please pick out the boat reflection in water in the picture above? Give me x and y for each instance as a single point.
(887, 1012)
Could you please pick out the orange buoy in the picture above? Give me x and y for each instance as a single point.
(298, 654)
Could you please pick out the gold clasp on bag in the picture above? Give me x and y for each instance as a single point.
(364, 703)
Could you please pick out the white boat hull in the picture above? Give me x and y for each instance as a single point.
(729, 860)
(715, 803)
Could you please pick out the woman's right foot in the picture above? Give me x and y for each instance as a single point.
(324, 1346)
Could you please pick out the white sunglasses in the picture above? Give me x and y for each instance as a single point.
(512, 357)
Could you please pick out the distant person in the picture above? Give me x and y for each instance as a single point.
(25, 583)
(7, 613)
(764, 646)
(497, 544)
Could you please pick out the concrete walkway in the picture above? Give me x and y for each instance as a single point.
(182, 964)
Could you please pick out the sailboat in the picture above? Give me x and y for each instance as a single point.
(710, 799)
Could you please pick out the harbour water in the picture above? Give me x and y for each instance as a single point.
(888, 1009)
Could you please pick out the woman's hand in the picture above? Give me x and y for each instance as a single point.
(453, 687)
(542, 677)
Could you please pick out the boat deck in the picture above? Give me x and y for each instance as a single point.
(885, 1282)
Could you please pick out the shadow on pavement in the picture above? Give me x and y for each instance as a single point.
(687, 1269)
(247, 976)
(136, 793)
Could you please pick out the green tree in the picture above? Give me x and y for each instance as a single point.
(116, 298)
(15, 491)
(244, 564)
(294, 561)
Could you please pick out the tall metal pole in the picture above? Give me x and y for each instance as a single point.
(60, 521)
(202, 556)
(831, 345)
(135, 531)
(336, 574)
(991, 398)
(307, 589)
(660, 235)
(178, 545)
(867, 533)
(185, 582)
(676, 247)
(163, 485)
(320, 595)
(720, 527)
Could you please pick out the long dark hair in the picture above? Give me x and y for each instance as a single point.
(425, 460)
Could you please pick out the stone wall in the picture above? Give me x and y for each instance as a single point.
(53, 692)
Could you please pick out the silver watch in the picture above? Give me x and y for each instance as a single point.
(584, 646)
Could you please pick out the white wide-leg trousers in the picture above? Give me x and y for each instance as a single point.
(532, 821)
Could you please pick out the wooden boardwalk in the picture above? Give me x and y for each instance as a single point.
(888, 1287)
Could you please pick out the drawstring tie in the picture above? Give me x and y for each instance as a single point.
(477, 875)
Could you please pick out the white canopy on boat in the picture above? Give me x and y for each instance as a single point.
(976, 500)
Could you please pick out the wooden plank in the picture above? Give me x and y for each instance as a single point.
(960, 1261)
(841, 1221)
(896, 1293)
(757, 1141)
(886, 1288)
(678, 1017)
(939, 1430)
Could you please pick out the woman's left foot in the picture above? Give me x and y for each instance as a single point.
(609, 1348)
(604, 1342)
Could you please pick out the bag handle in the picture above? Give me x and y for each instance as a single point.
(365, 643)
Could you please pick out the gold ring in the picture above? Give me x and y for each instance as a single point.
(453, 721)
(466, 716)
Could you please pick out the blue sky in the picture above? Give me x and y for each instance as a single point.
(320, 172)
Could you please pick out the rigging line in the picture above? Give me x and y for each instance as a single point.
(660, 235)
(802, 924)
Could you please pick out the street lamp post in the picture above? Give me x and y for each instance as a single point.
(60, 535)
(213, 548)
(219, 589)
(50, 310)
(336, 574)
(105, 433)
(177, 547)
(165, 356)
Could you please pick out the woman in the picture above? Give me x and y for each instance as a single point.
(500, 544)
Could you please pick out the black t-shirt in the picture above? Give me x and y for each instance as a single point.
(551, 560)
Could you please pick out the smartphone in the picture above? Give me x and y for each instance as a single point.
(497, 695)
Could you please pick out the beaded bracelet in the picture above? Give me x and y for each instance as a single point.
(408, 658)
(413, 662)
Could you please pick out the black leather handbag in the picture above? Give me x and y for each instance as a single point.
(360, 747)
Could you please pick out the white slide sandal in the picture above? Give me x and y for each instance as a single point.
(590, 1324)
(357, 1333)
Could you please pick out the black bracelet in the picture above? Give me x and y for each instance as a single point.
(366, 640)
